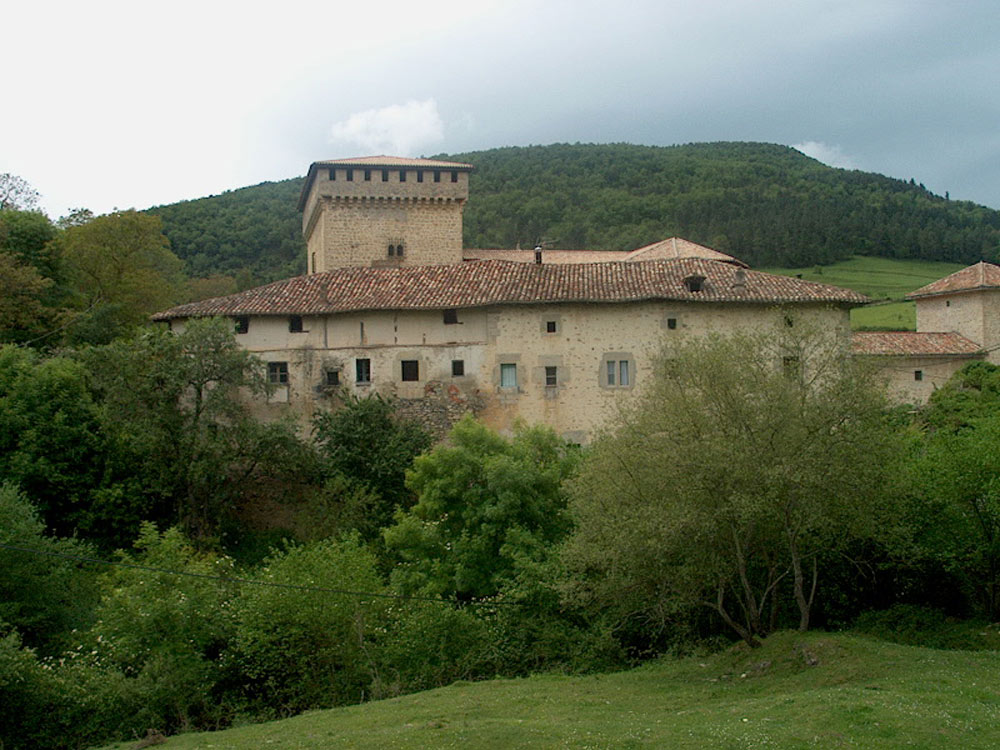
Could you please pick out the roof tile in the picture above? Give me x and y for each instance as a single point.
(912, 343)
(982, 275)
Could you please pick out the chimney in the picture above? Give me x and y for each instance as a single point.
(538, 254)
(740, 279)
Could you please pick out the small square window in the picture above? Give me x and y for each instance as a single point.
(618, 373)
(411, 370)
(550, 326)
(362, 371)
(450, 317)
(295, 324)
(508, 375)
(672, 323)
(918, 375)
(242, 323)
(457, 368)
(277, 373)
(550, 376)
(333, 378)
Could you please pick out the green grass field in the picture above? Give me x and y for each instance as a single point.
(881, 279)
(797, 691)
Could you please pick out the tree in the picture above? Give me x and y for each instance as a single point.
(21, 291)
(482, 500)
(16, 193)
(748, 457)
(121, 263)
(367, 443)
(175, 407)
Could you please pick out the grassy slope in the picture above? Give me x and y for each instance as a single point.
(861, 693)
(880, 279)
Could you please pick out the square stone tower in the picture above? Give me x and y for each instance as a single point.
(383, 211)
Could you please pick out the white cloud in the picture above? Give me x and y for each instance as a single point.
(830, 155)
(399, 129)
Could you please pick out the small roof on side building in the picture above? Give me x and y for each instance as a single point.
(913, 344)
(672, 248)
(982, 275)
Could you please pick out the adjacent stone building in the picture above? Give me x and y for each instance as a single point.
(393, 304)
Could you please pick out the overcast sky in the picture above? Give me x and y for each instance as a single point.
(128, 104)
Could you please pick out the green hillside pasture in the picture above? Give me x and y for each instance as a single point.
(797, 691)
(880, 279)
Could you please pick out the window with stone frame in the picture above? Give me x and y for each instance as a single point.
(508, 375)
(277, 373)
(363, 370)
(410, 370)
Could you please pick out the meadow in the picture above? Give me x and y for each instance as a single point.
(813, 690)
(885, 280)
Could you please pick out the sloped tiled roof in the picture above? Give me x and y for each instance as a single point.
(912, 343)
(491, 282)
(669, 249)
(982, 275)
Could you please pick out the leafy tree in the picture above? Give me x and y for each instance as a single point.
(483, 500)
(175, 407)
(27, 235)
(747, 458)
(121, 262)
(16, 193)
(970, 394)
(298, 648)
(21, 293)
(366, 442)
(43, 595)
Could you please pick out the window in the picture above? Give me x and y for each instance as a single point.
(457, 368)
(368, 175)
(350, 175)
(277, 373)
(420, 175)
(392, 250)
(508, 375)
(437, 175)
(550, 326)
(454, 176)
(362, 371)
(333, 175)
(694, 283)
(385, 175)
(618, 373)
(395, 251)
(550, 376)
(672, 324)
(918, 375)
(411, 369)
(333, 378)
(789, 321)
(450, 317)
(295, 324)
(402, 175)
(242, 323)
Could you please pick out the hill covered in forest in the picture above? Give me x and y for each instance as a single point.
(765, 203)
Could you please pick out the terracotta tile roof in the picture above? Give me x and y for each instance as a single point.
(912, 343)
(491, 282)
(982, 275)
(393, 161)
(669, 249)
(677, 247)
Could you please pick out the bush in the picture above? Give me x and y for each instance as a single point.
(931, 628)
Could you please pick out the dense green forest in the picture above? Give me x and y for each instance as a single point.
(764, 203)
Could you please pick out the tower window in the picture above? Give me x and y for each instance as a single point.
(508, 375)
(410, 369)
(402, 175)
(385, 175)
(295, 324)
(392, 250)
(350, 175)
(277, 373)
(550, 326)
(368, 175)
(437, 175)
(333, 175)
(454, 176)
(550, 376)
(420, 175)
(672, 323)
(457, 368)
